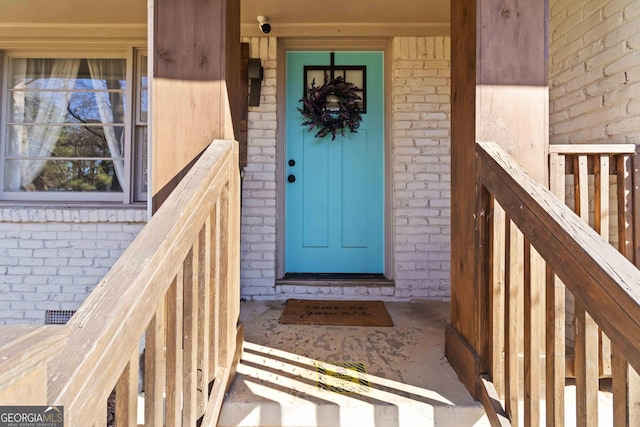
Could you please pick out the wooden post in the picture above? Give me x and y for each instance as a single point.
(196, 86)
(499, 93)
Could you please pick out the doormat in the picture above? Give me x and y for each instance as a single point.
(336, 313)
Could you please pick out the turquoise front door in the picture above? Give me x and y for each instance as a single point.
(335, 188)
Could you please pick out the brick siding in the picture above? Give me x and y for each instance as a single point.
(422, 166)
(51, 259)
(594, 72)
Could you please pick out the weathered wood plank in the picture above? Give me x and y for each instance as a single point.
(633, 167)
(216, 397)
(533, 327)
(628, 177)
(596, 273)
(463, 136)
(215, 292)
(601, 225)
(586, 368)
(174, 352)
(204, 311)
(127, 393)
(514, 276)
(222, 328)
(196, 75)
(460, 353)
(483, 272)
(496, 310)
(236, 329)
(190, 339)
(155, 370)
(24, 354)
(555, 350)
(555, 316)
(586, 332)
(626, 393)
(491, 401)
(592, 149)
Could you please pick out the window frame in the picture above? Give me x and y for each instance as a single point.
(138, 156)
(128, 195)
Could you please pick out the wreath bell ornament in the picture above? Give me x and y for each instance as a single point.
(331, 108)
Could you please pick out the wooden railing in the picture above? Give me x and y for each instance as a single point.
(597, 182)
(532, 245)
(176, 288)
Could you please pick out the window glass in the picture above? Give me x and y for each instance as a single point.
(141, 135)
(65, 125)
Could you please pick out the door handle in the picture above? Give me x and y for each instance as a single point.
(291, 178)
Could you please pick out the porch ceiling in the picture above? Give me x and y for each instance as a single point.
(288, 17)
(339, 17)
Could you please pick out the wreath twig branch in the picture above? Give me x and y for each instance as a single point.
(316, 115)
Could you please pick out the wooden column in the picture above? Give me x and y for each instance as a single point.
(195, 86)
(499, 93)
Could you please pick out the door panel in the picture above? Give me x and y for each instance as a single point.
(334, 208)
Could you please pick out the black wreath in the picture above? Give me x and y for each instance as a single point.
(331, 122)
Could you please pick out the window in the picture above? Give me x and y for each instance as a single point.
(356, 74)
(66, 133)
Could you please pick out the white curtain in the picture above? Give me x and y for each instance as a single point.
(102, 72)
(36, 142)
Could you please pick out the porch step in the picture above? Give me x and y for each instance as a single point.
(332, 376)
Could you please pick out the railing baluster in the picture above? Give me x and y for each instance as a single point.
(174, 352)
(155, 370)
(127, 393)
(204, 260)
(555, 350)
(215, 286)
(601, 225)
(586, 368)
(626, 382)
(533, 280)
(223, 289)
(189, 369)
(497, 283)
(555, 317)
(586, 340)
(513, 314)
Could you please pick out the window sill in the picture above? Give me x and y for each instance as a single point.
(72, 213)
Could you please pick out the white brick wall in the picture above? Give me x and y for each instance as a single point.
(258, 245)
(420, 130)
(51, 259)
(422, 166)
(594, 71)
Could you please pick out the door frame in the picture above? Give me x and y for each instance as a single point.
(380, 44)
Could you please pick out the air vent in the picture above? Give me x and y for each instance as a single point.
(58, 317)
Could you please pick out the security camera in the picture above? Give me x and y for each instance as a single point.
(264, 25)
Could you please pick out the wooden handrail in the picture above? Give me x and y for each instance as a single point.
(176, 287)
(24, 354)
(597, 274)
(524, 230)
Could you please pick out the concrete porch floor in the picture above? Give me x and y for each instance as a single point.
(408, 381)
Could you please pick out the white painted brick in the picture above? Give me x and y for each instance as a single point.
(57, 254)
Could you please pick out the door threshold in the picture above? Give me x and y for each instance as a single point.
(335, 279)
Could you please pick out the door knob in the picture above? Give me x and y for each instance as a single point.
(291, 178)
